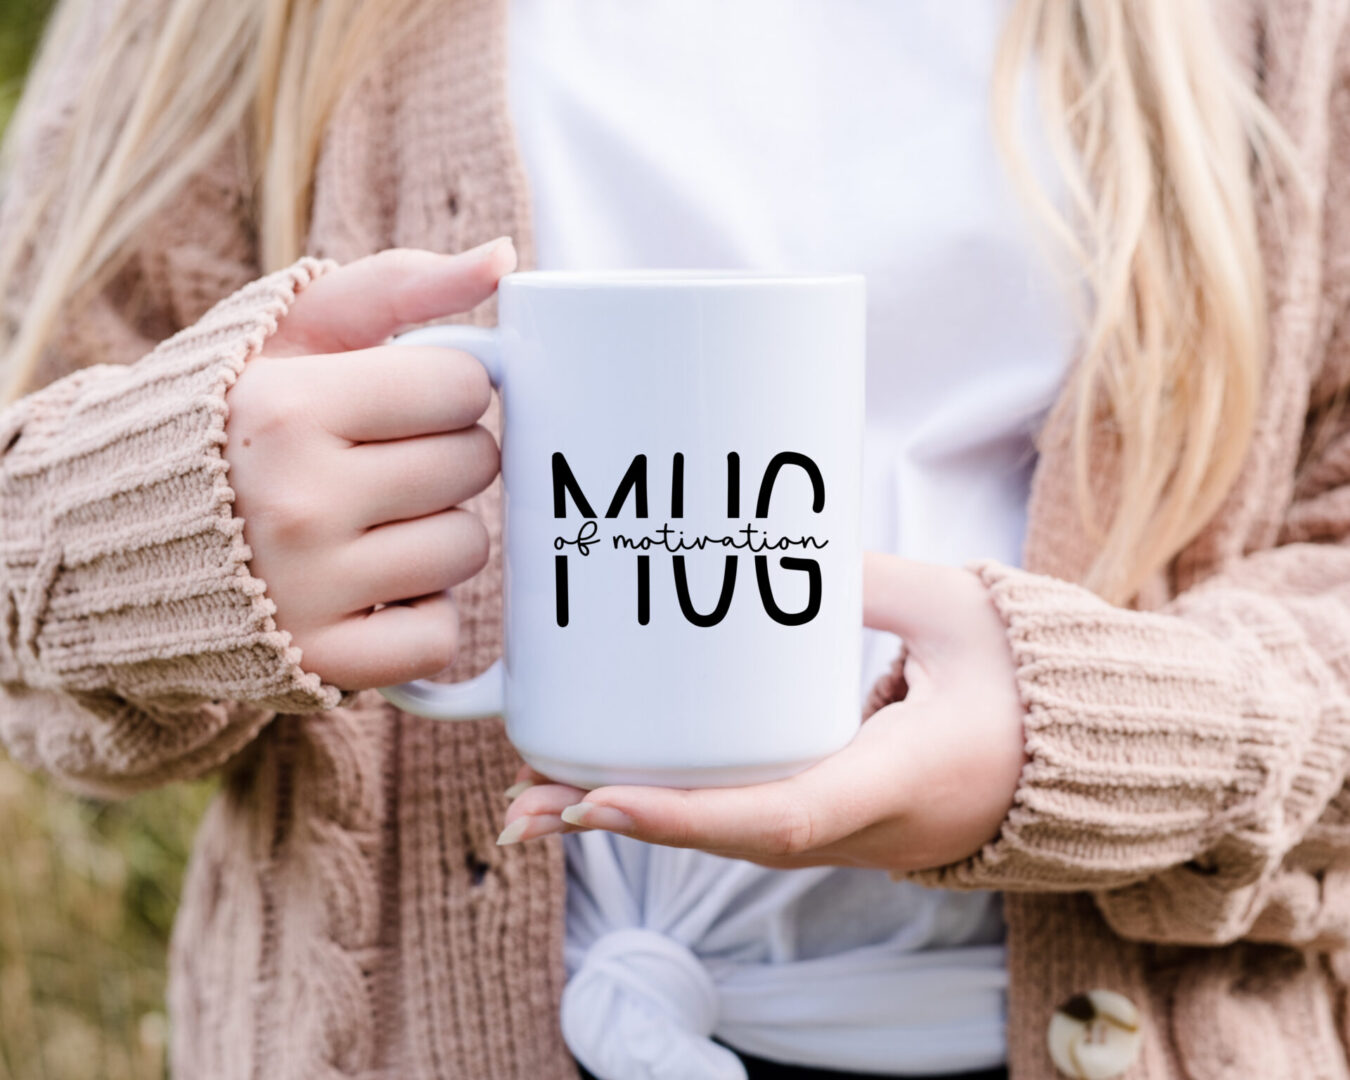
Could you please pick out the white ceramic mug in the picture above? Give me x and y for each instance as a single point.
(682, 458)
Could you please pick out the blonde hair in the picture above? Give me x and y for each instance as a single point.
(1160, 141)
(168, 82)
(1153, 128)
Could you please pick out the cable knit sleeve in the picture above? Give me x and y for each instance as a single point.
(1188, 766)
(1204, 741)
(128, 616)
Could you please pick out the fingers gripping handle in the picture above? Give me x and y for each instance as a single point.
(483, 695)
(480, 342)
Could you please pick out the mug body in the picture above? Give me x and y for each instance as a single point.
(682, 462)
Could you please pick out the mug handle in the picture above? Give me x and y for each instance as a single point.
(484, 695)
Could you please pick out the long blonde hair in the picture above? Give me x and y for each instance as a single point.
(1162, 143)
(1156, 132)
(166, 84)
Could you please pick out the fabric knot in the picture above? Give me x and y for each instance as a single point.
(643, 1007)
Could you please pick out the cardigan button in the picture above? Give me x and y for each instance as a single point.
(1095, 1036)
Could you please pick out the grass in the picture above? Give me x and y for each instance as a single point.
(87, 897)
(21, 24)
(87, 889)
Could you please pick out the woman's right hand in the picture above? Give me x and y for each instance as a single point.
(349, 458)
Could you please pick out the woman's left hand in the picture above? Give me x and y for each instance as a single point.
(927, 781)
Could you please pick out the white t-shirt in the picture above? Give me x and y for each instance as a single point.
(811, 136)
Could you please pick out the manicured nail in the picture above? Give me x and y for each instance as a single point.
(489, 247)
(591, 816)
(518, 788)
(529, 827)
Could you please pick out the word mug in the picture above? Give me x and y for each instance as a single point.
(682, 460)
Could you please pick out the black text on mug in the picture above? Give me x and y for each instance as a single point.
(748, 538)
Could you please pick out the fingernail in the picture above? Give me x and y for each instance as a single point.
(518, 788)
(529, 827)
(490, 246)
(591, 816)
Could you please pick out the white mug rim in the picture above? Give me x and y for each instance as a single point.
(680, 278)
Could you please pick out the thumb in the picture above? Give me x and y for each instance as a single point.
(916, 600)
(365, 302)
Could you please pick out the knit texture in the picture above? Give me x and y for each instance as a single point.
(1197, 752)
(1181, 830)
(125, 592)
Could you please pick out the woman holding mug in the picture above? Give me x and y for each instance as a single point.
(1095, 824)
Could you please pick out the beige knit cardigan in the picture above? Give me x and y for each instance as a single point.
(1181, 833)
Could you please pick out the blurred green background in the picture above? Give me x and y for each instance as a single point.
(87, 889)
(20, 27)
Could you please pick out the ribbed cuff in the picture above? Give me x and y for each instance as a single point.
(1140, 753)
(126, 565)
